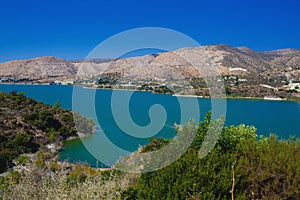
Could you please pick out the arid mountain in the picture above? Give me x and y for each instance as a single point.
(197, 61)
(38, 67)
(183, 63)
(177, 64)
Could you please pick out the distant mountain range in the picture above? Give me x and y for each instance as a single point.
(229, 60)
(245, 72)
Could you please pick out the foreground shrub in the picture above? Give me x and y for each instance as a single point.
(241, 166)
(32, 185)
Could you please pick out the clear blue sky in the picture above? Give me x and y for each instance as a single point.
(70, 29)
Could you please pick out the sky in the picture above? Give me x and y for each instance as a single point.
(71, 29)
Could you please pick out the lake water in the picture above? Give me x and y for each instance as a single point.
(280, 117)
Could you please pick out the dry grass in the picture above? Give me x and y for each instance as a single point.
(58, 185)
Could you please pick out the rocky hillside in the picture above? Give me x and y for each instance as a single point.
(27, 125)
(229, 60)
(40, 68)
(244, 71)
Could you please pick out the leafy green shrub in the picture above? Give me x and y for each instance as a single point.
(6, 157)
(22, 119)
(262, 168)
(23, 160)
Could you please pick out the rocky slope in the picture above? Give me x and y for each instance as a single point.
(227, 59)
(27, 125)
(279, 65)
(40, 67)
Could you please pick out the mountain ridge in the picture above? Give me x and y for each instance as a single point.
(247, 67)
(101, 60)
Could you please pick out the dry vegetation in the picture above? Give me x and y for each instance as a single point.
(81, 183)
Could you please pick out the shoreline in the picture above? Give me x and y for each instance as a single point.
(200, 97)
(175, 95)
(79, 136)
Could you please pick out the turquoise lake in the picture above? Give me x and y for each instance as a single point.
(279, 117)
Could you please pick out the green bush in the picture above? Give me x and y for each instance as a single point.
(23, 160)
(22, 119)
(263, 168)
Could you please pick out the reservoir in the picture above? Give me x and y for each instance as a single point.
(279, 117)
